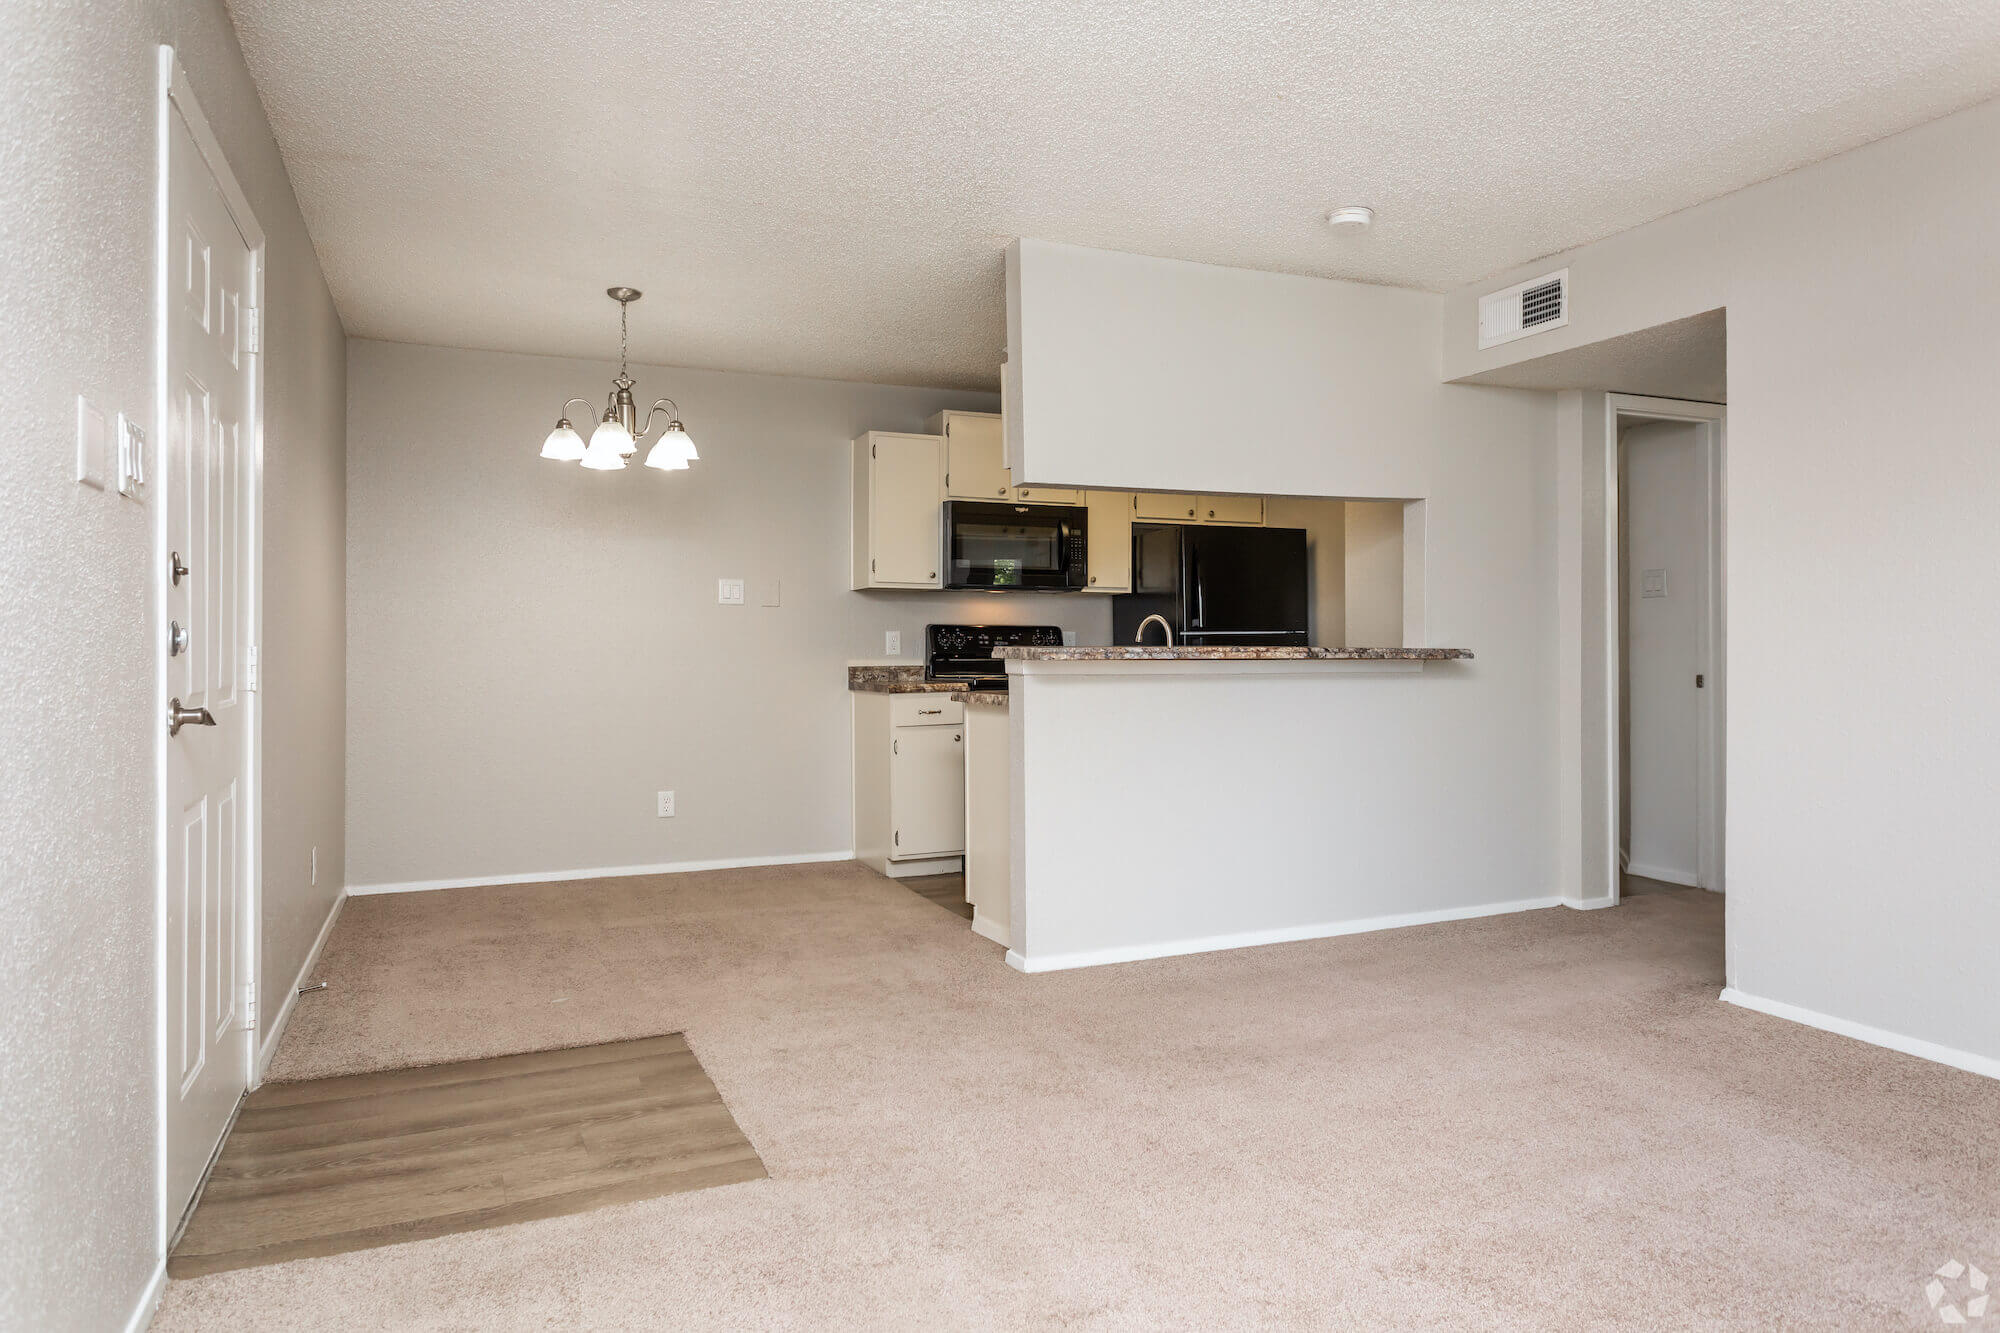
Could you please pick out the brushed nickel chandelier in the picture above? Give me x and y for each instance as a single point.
(619, 431)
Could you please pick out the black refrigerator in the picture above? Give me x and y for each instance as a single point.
(1216, 585)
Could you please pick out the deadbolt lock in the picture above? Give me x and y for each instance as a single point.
(177, 638)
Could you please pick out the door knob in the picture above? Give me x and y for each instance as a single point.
(177, 638)
(178, 717)
(180, 570)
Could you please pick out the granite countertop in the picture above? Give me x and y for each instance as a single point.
(897, 680)
(981, 698)
(1229, 653)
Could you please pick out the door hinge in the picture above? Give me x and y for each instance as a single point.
(249, 1006)
(253, 330)
(251, 676)
(1698, 682)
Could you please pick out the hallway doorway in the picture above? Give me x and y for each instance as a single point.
(1665, 632)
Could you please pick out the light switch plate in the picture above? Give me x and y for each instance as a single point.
(93, 446)
(892, 643)
(729, 592)
(131, 456)
(1653, 583)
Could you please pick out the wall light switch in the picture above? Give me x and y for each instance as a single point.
(666, 805)
(93, 446)
(131, 456)
(1653, 583)
(729, 592)
(892, 643)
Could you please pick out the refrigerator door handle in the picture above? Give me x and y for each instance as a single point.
(1194, 578)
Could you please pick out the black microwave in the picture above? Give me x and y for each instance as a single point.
(1015, 548)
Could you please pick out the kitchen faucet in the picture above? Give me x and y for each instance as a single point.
(1139, 635)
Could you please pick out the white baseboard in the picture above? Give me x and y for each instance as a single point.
(1284, 935)
(599, 872)
(984, 926)
(267, 1048)
(149, 1300)
(1895, 1041)
(1589, 904)
(936, 865)
(1687, 879)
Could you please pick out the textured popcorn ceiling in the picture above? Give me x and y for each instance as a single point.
(827, 189)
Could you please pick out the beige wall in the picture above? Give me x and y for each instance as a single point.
(79, 719)
(1374, 534)
(1862, 476)
(535, 650)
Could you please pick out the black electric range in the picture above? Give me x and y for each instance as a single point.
(965, 652)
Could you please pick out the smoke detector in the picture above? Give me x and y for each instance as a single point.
(1354, 215)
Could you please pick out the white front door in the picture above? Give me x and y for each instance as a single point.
(206, 465)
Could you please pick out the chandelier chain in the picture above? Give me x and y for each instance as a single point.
(623, 310)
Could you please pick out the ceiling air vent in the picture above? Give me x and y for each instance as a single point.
(1534, 306)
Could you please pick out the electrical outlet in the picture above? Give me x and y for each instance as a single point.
(315, 865)
(1069, 638)
(892, 643)
(666, 805)
(729, 592)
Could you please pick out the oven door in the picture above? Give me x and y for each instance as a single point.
(1014, 548)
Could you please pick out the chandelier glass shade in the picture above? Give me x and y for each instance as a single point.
(618, 432)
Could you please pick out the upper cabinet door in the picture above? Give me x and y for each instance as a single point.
(1156, 507)
(1110, 531)
(975, 463)
(1243, 509)
(1046, 495)
(906, 532)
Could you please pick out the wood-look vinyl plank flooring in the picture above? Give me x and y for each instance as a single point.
(337, 1164)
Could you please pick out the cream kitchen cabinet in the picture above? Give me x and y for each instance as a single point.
(909, 782)
(1160, 507)
(975, 463)
(1242, 510)
(898, 516)
(1166, 507)
(1109, 520)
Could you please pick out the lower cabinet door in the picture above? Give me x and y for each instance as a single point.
(927, 792)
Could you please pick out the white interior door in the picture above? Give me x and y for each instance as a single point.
(1663, 505)
(206, 477)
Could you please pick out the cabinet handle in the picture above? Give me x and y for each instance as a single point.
(956, 737)
(1093, 578)
(1001, 491)
(929, 712)
(1211, 513)
(1190, 513)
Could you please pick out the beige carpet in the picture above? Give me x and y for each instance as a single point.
(1537, 1121)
